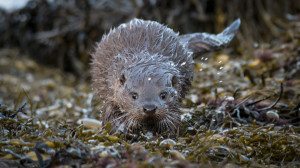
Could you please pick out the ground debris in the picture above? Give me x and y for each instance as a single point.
(242, 110)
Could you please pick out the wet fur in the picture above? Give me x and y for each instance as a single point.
(147, 58)
(140, 49)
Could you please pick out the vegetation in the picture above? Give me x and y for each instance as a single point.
(242, 110)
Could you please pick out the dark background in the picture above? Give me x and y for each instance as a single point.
(63, 33)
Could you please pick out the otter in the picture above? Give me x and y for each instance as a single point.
(141, 70)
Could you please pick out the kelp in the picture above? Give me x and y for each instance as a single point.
(240, 111)
(243, 108)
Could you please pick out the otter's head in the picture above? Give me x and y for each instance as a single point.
(149, 97)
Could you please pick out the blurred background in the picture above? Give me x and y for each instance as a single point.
(63, 33)
(243, 109)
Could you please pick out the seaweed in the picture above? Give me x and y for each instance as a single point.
(228, 123)
(243, 109)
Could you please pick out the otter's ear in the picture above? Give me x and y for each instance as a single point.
(122, 79)
(200, 43)
(174, 82)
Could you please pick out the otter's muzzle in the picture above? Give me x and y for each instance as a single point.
(149, 109)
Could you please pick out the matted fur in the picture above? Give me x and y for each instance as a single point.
(153, 48)
(147, 59)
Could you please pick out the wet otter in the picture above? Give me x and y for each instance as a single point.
(142, 70)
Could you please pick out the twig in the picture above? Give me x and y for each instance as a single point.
(254, 113)
(249, 75)
(235, 92)
(18, 111)
(277, 100)
(265, 98)
(262, 76)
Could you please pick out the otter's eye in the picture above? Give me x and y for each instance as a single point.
(163, 95)
(134, 96)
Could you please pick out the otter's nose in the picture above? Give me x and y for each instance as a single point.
(149, 108)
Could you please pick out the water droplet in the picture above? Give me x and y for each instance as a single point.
(220, 62)
(149, 78)
(201, 69)
(206, 59)
(183, 63)
(218, 73)
(220, 81)
(221, 68)
(255, 45)
(202, 58)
